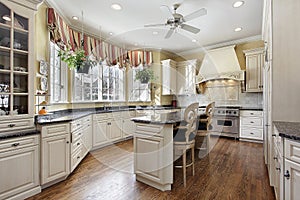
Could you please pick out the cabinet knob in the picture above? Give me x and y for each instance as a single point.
(78, 157)
(273, 135)
(68, 142)
(11, 125)
(15, 144)
(252, 133)
(251, 113)
(251, 122)
(287, 175)
(277, 168)
(275, 158)
(78, 143)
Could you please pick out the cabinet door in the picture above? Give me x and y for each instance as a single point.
(87, 138)
(100, 129)
(190, 73)
(19, 171)
(55, 157)
(168, 80)
(128, 127)
(115, 129)
(254, 67)
(292, 183)
(181, 85)
(148, 157)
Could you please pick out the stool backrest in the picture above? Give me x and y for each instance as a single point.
(209, 113)
(190, 117)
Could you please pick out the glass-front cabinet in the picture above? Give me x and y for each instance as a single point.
(16, 61)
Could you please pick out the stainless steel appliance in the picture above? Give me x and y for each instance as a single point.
(226, 121)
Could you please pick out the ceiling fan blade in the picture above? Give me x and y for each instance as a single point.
(190, 28)
(154, 25)
(165, 9)
(169, 33)
(195, 14)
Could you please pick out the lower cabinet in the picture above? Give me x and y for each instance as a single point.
(19, 167)
(128, 126)
(251, 125)
(55, 153)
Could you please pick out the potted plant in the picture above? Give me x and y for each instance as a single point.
(76, 60)
(145, 75)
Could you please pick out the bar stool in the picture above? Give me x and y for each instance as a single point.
(203, 135)
(184, 139)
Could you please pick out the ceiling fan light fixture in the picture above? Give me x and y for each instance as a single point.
(238, 29)
(116, 6)
(238, 4)
(110, 33)
(6, 18)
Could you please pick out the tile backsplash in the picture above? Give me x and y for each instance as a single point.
(223, 93)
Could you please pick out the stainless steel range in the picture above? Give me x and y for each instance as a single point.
(226, 121)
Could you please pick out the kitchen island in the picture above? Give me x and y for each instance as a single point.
(153, 149)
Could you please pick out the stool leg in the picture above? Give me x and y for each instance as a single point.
(193, 160)
(184, 167)
(208, 143)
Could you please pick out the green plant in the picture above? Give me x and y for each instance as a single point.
(145, 75)
(75, 59)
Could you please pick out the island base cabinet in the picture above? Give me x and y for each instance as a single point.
(153, 155)
(19, 169)
(292, 180)
(55, 158)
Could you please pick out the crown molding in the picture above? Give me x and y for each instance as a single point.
(31, 4)
(219, 45)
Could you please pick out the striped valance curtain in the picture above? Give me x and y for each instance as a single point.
(63, 36)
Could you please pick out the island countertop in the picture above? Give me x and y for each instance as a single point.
(289, 130)
(165, 118)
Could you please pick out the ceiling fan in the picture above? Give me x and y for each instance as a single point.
(176, 20)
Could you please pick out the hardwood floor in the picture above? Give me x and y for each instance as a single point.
(232, 170)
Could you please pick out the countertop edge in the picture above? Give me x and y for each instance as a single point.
(289, 130)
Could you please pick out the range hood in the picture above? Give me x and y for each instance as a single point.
(221, 63)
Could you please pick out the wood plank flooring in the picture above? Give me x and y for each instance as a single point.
(233, 170)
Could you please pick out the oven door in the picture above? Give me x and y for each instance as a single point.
(226, 125)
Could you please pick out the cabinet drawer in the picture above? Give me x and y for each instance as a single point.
(76, 135)
(76, 157)
(75, 125)
(292, 150)
(250, 133)
(86, 120)
(19, 142)
(251, 121)
(150, 130)
(251, 113)
(76, 144)
(53, 130)
(100, 117)
(12, 125)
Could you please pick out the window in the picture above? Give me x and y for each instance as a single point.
(113, 83)
(101, 83)
(137, 91)
(58, 77)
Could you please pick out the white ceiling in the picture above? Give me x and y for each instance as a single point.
(128, 28)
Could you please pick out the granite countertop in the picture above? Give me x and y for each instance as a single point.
(70, 115)
(165, 118)
(19, 133)
(289, 130)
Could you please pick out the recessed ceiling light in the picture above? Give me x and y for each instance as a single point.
(116, 6)
(75, 18)
(6, 18)
(238, 4)
(110, 33)
(238, 29)
(155, 33)
(194, 40)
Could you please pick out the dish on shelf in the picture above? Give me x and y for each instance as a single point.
(20, 69)
(19, 90)
(43, 84)
(43, 67)
(43, 103)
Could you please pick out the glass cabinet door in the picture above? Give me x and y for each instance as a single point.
(14, 88)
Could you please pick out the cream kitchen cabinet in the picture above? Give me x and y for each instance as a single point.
(128, 126)
(169, 77)
(254, 69)
(81, 140)
(19, 167)
(106, 128)
(186, 77)
(291, 169)
(55, 152)
(251, 125)
(17, 64)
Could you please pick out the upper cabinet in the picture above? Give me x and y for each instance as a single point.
(186, 77)
(16, 61)
(254, 69)
(178, 78)
(169, 78)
